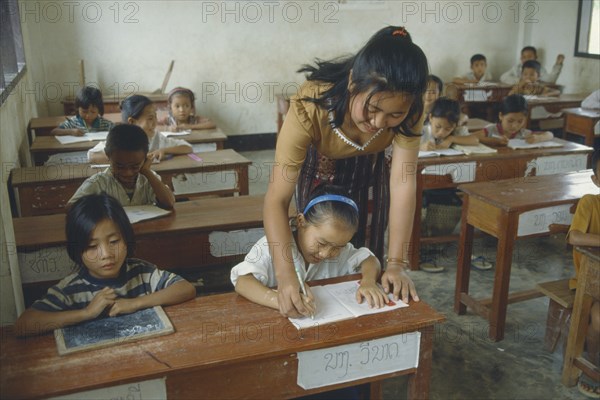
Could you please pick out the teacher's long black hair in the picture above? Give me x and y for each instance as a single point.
(389, 62)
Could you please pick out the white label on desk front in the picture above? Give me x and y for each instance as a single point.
(155, 389)
(537, 221)
(201, 182)
(233, 243)
(556, 164)
(51, 263)
(476, 95)
(317, 368)
(460, 172)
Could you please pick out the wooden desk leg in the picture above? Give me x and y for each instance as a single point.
(414, 252)
(578, 328)
(243, 184)
(465, 249)
(418, 383)
(506, 243)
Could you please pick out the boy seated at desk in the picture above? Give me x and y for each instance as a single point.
(129, 178)
(478, 73)
(443, 129)
(88, 117)
(585, 231)
(109, 281)
(513, 75)
(530, 83)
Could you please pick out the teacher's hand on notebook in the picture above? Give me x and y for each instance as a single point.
(396, 281)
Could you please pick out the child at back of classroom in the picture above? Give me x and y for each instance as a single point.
(585, 231)
(182, 112)
(530, 82)
(89, 108)
(512, 118)
(109, 281)
(513, 75)
(139, 110)
(129, 178)
(443, 130)
(478, 73)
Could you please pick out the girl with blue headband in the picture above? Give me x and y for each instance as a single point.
(321, 249)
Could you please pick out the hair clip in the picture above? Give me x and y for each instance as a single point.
(400, 32)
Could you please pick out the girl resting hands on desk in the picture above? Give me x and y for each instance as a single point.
(512, 117)
(321, 249)
(336, 131)
(109, 282)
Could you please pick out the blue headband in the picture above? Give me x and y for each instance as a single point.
(330, 197)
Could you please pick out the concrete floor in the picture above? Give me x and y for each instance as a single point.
(466, 364)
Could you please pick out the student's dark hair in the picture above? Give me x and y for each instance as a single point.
(388, 62)
(446, 108)
(533, 64)
(337, 210)
(477, 57)
(84, 216)
(126, 137)
(595, 159)
(515, 103)
(133, 106)
(89, 96)
(529, 48)
(438, 82)
(181, 91)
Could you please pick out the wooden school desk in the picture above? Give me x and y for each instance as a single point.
(181, 240)
(479, 101)
(588, 290)
(508, 210)
(112, 103)
(449, 172)
(44, 146)
(552, 105)
(224, 347)
(46, 189)
(581, 121)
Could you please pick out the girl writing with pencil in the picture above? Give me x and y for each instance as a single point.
(109, 281)
(321, 249)
(336, 131)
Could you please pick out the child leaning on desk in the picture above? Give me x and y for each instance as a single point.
(321, 249)
(585, 231)
(530, 84)
(139, 110)
(182, 112)
(129, 178)
(109, 281)
(88, 117)
(443, 129)
(512, 116)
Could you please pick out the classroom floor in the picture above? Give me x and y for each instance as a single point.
(466, 364)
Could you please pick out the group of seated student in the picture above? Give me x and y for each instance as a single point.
(528, 76)
(136, 110)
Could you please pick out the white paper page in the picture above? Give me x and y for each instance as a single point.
(68, 139)
(345, 293)
(522, 144)
(423, 154)
(479, 149)
(449, 152)
(328, 310)
(141, 213)
(180, 133)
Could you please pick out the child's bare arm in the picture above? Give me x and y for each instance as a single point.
(490, 141)
(369, 290)
(181, 149)
(471, 140)
(578, 238)
(251, 288)
(98, 157)
(164, 195)
(174, 294)
(66, 132)
(537, 137)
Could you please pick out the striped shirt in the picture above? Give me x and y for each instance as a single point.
(76, 291)
(100, 124)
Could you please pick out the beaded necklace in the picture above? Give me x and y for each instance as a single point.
(345, 138)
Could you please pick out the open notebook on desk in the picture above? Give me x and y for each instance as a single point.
(337, 302)
(89, 136)
(440, 152)
(479, 149)
(142, 213)
(522, 144)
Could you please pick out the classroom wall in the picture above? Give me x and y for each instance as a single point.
(14, 114)
(236, 55)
